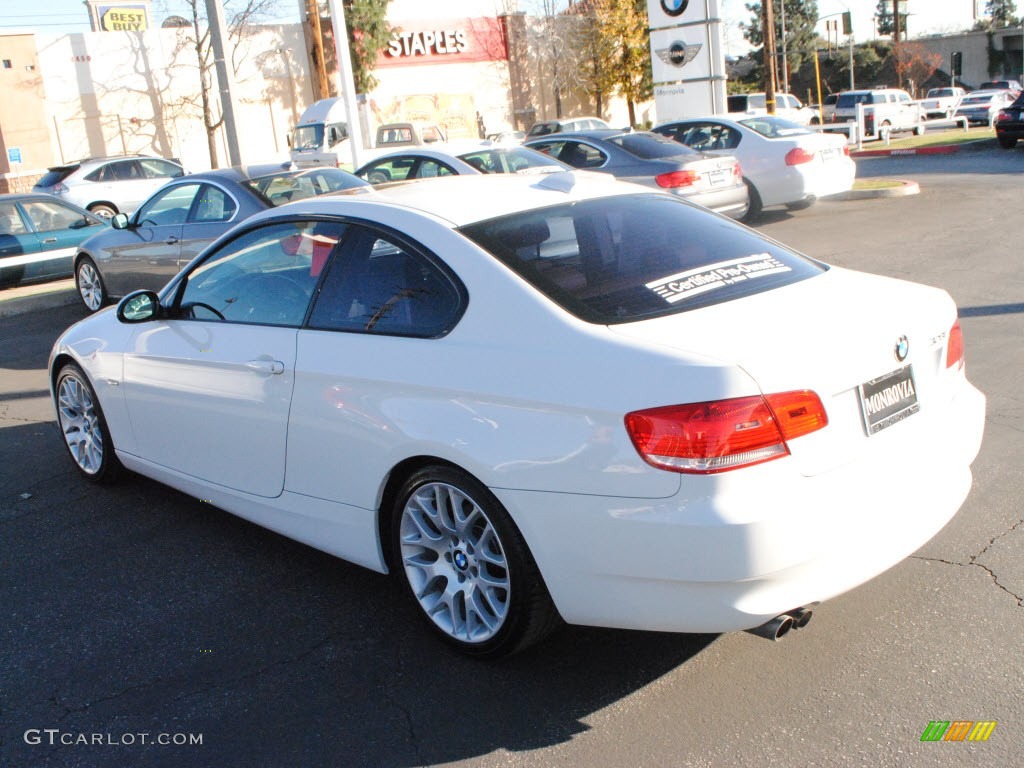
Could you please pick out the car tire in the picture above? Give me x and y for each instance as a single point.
(84, 428)
(90, 286)
(919, 129)
(103, 210)
(1006, 142)
(466, 566)
(755, 206)
(801, 205)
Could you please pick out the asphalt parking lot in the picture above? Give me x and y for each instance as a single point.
(137, 610)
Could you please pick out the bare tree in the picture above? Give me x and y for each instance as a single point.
(241, 15)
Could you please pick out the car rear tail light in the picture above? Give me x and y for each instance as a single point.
(798, 156)
(737, 172)
(846, 149)
(675, 179)
(955, 349)
(1003, 116)
(717, 436)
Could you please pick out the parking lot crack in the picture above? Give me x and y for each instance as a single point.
(396, 703)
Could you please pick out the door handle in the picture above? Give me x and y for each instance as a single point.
(50, 240)
(171, 240)
(274, 367)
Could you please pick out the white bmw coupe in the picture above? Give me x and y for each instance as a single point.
(537, 399)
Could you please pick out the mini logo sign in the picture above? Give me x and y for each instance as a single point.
(902, 348)
(958, 730)
(679, 54)
(674, 7)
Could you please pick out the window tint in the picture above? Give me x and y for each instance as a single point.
(159, 169)
(514, 160)
(620, 259)
(170, 206)
(281, 188)
(574, 153)
(649, 146)
(378, 285)
(56, 176)
(264, 276)
(214, 204)
(126, 170)
(429, 169)
(392, 169)
(708, 137)
(10, 220)
(49, 216)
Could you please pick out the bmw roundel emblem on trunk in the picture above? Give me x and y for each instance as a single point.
(674, 7)
(902, 348)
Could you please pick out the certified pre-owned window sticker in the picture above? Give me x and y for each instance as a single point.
(683, 285)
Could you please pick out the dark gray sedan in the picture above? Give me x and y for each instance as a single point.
(655, 161)
(182, 218)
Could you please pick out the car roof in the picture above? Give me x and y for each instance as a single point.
(10, 196)
(462, 200)
(592, 133)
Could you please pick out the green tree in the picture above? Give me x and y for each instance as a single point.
(801, 38)
(622, 36)
(1003, 12)
(884, 20)
(368, 33)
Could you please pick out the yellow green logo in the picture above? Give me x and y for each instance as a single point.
(958, 730)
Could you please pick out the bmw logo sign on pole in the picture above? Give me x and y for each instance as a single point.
(674, 7)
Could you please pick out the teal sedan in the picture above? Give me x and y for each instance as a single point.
(39, 237)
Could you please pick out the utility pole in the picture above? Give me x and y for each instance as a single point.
(225, 77)
(768, 26)
(896, 41)
(785, 62)
(347, 87)
(321, 87)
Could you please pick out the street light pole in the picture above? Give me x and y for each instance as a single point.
(768, 27)
(785, 62)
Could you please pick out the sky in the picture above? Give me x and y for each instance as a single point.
(926, 16)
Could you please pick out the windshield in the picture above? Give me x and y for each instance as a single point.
(308, 137)
(774, 127)
(938, 93)
(625, 258)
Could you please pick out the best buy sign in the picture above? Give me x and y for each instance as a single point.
(121, 18)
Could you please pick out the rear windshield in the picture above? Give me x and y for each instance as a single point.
(511, 160)
(939, 93)
(774, 127)
(626, 258)
(56, 175)
(849, 100)
(650, 146)
(286, 187)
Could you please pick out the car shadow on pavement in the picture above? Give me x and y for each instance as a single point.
(133, 609)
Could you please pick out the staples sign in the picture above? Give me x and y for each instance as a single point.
(446, 42)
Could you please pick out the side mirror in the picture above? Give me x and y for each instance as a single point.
(138, 307)
(119, 221)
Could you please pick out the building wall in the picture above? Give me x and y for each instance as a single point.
(23, 115)
(974, 46)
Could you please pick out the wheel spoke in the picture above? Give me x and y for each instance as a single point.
(80, 424)
(454, 562)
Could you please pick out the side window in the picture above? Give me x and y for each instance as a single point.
(551, 148)
(428, 169)
(377, 285)
(264, 276)
(127, 170)
(393, 169)
(214, 204)
(159, 169)
(50, 217)
(171, 206)
(10, 220)
(580, 155)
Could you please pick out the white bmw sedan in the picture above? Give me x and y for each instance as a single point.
(783, 163)
(541, 398)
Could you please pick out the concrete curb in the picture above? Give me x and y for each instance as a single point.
(18, 301)
(940, 149)
(905, 188)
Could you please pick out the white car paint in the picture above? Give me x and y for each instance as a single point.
(763, 159)
(531, 400)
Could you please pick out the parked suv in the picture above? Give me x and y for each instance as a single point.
(567, 125)
(885, 109)
(787, 106)
(109, 185)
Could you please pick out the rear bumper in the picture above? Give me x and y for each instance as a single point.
(733, 201)
(732, 551)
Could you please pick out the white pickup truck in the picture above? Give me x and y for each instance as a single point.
(942, 102)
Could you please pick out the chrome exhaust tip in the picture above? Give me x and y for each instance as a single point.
(775, 629)
(801, 617)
